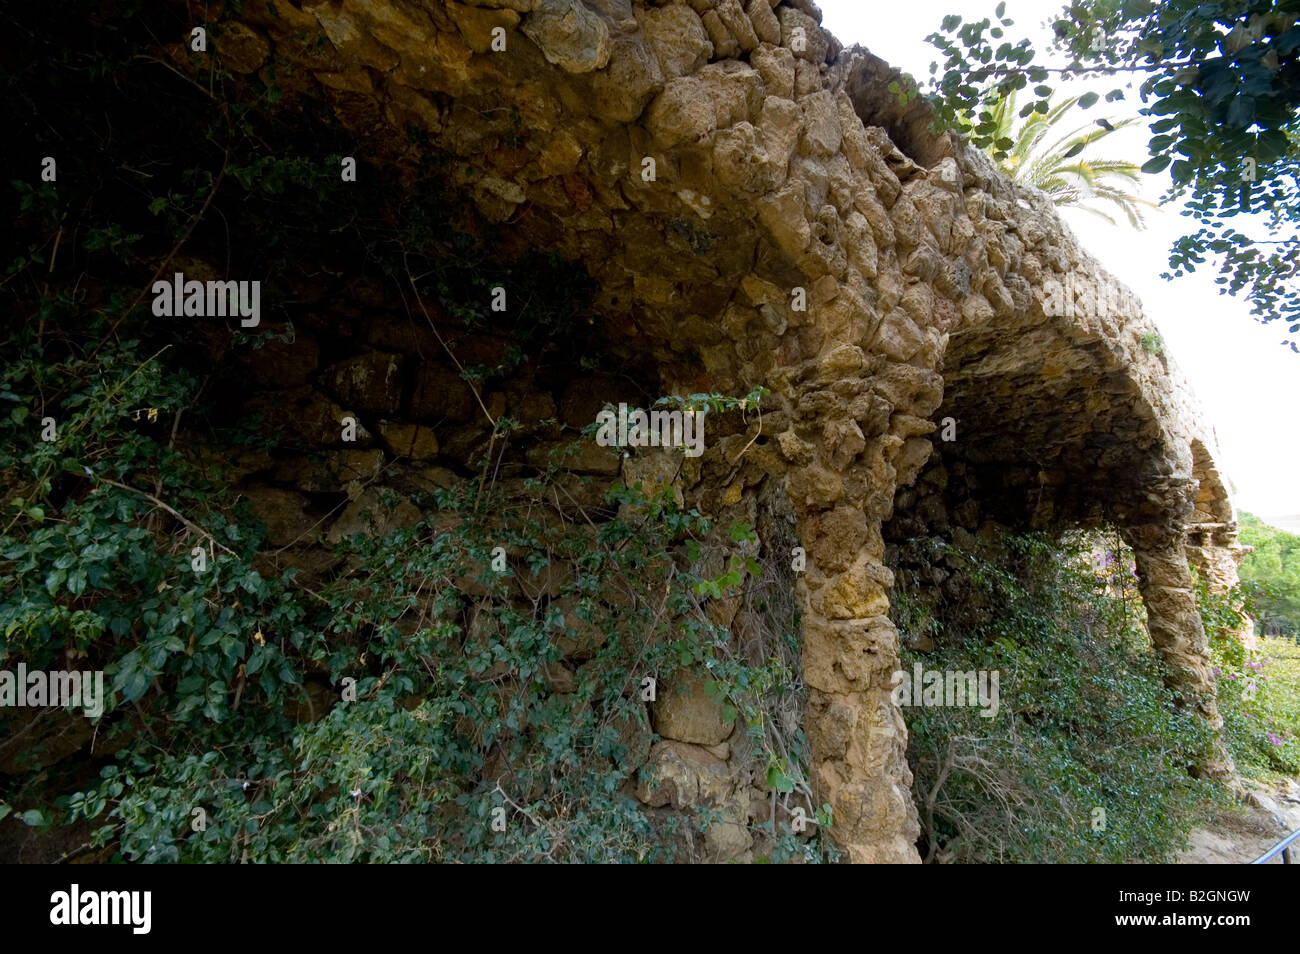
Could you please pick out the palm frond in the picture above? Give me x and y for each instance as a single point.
(1064, 165)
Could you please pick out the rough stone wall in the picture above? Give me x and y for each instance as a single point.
(420, 428)
(782, 171)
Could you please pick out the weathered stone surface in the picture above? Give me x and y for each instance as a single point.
(32, 738)
(311, 562)
(570, 35)
(372, 513)
(728, 839)
(581, 636)
(477, 23)
(683, 113)
(800, 35)
(369, 382)
(441, 394)
(677, 37)
(684, 711)
(765, 23)
(821, 124)
(683, 776)
(283, 512)
(629, 82)
(740, 160)
(285, 364)
(242, 49)
(413, 441)
(582, 457)
(304, 415)
(653, 470)
(356, 465)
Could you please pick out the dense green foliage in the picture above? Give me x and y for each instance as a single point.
(1221, 84)
(457, 707)
(1272, 571)
(1259, 690)
(1085, 722)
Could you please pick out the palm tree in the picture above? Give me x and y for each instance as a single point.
(1058, 167)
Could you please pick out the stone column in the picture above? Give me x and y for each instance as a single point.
(858, 737)
(1216, 552)
(841, 484)
(1174, 622)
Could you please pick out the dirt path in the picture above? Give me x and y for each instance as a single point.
(1242, 837)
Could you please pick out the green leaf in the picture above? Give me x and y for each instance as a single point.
(1088, 100)
(135, 685)
(1157, 164)
(1242, 111)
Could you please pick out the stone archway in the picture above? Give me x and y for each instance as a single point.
(757, 209)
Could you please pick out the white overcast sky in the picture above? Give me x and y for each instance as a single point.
(1248, 383)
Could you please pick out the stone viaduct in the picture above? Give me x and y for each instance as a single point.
(715, 163)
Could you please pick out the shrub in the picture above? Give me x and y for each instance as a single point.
(1259, 690)
(1086, 760)
(462, 704)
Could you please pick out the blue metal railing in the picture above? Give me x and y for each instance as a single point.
(1283, 847)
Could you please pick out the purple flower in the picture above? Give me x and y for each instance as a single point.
(1274, 739)
(1232, 675)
